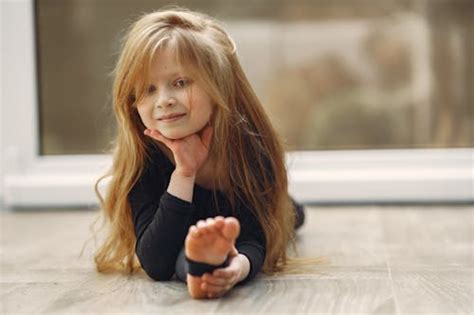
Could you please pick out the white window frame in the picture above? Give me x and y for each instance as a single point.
(316, 177)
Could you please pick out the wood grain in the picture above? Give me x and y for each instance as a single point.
(381, 260)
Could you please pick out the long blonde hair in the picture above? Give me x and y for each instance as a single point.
(243, 140)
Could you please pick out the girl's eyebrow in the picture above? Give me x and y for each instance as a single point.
(167, 75)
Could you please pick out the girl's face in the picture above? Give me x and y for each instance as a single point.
(172, 92)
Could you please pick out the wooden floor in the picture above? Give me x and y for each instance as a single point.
(382, 260)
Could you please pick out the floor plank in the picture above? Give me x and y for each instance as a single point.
(380, 260)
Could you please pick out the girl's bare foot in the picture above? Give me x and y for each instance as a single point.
(209, 242)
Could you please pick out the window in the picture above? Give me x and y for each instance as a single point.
(373, 102)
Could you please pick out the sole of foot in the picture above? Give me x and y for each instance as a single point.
(209, 241)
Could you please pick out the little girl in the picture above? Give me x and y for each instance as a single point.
(198, 184)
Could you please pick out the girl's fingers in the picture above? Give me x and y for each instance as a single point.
(214, 289)
(234, 252)
(219, 282)
(214, 280)
(157, 136)
(224, 273)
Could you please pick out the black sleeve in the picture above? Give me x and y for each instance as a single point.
(161, 223)
(251, 242)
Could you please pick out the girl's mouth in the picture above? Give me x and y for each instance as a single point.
(171, 119)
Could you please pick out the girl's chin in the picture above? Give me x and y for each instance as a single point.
(174, 135)
(180, 132)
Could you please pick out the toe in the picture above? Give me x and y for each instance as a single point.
(231, 228)
(194, 231)
(210, 222)
(202, 226)
(214, 225)
(219, 222)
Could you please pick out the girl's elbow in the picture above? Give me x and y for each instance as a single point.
(158, 276)
(157, 272)
(153, 269)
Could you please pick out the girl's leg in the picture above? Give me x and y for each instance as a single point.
(208, 245)
(181, 268)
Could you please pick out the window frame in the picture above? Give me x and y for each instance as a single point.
(315, 177)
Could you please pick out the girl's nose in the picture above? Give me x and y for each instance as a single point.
(163, 102)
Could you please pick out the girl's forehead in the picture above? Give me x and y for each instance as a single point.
(165, 63)
(165, 55)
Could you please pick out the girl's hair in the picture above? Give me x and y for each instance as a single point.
(244, 141)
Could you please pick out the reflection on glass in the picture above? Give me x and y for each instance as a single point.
(331, 75)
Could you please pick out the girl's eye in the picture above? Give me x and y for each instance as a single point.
(180, 83)
(151, 89)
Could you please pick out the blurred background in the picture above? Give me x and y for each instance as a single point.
(332, 75)
(373, 99)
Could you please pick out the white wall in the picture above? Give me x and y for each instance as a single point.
(17, 88)
(2, 104)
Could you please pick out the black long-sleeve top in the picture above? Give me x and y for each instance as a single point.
(161, 220)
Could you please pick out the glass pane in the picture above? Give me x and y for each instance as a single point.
(331, 74)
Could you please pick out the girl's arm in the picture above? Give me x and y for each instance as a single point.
(251, 243)
(189, 153)
(247, 259)
(245, 267)
(161, 223)
(162, 227)
(182, 186)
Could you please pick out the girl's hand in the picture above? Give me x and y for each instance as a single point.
(223, 279)
(189, 152)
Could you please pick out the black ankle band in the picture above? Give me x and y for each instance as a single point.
(198, 269)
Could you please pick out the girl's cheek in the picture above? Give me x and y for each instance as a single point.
(142, 116)
(145, 110)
